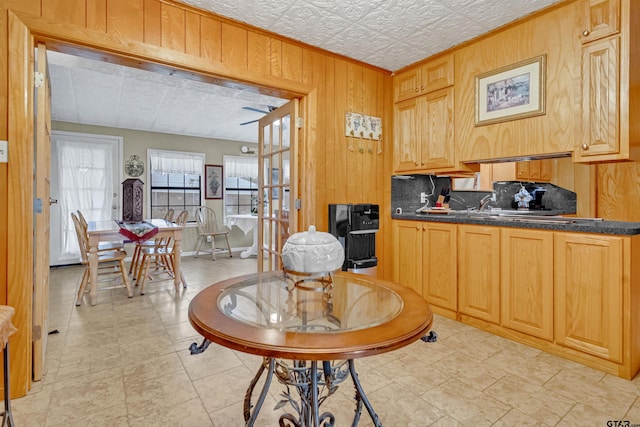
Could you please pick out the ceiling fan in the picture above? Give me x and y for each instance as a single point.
(270, 108)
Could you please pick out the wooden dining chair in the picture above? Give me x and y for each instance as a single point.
(109, 262)
(208, 228)
(135, 258)
(163, 256)
(102, 246)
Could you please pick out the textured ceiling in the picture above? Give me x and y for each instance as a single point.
(99, 93)
(386, 33)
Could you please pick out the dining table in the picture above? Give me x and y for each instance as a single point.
(309, 331)
(108, 231)
(246, 223)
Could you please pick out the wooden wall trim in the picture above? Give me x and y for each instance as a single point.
(60, 36)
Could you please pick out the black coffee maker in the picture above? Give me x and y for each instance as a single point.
(355, 227)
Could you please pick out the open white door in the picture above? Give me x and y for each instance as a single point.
(86, 173)
(277, 183)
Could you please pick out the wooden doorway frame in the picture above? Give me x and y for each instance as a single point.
(24, 32)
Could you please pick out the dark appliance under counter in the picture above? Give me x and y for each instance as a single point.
(355, 226)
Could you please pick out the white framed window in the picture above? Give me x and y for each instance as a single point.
(240, 185)
(175, 181)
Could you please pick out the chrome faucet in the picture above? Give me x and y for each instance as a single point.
(484, 202)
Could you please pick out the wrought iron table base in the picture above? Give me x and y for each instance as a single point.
(313, 385)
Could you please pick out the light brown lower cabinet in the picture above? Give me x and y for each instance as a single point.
(576, 295)
(479, 272)
(526, 281)
(440, 265)
(407, 254)
(426, 261)
(589, 294)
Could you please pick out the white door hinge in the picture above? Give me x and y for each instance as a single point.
(297, 204)
(299, 122)
(38, 79)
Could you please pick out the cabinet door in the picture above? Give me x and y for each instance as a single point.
(546, 169)
(601, 19)
(600, 99)
(437, 74)
(440, 265)
(408, 254)
(406, 84)
(407, 135)
(437, 133)
(526, 281)
(522, 170)
(588, 277)
(479, 272)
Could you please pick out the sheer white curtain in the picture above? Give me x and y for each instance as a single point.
(241, 167)
(85, 184)
(177, 162)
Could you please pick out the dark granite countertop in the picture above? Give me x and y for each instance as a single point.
(579, 225)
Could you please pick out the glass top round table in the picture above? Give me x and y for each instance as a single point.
(266, 314)
(321, 325)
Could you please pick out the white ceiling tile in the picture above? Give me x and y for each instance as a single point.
(303, 20)
(355, 10)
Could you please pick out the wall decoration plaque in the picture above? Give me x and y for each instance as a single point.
(134, 166)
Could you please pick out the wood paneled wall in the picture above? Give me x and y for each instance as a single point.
(619, 191)
(164, 36)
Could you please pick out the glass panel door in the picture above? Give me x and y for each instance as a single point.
(276, 163)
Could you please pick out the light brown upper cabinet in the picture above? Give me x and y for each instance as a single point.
(424, 132)
(601, 19)
(424, 119)
(530, 170)
(534, 170)
(430, 76)
(610, 83)
(600, 98)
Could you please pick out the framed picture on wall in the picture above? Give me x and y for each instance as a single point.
(213, 181)
(512, 92)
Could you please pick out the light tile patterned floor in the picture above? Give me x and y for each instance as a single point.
(125, 362)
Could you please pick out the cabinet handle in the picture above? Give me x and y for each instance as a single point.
(585, 33)
(417, 90)
(585, 147)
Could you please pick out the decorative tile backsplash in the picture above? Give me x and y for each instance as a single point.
(406, 191)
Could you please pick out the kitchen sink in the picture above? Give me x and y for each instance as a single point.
(524, 218)
(501, 212)
(532, 218)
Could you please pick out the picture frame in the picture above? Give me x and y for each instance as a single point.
(213, 181)
(513, 92)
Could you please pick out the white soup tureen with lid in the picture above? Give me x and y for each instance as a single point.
(312, 252)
